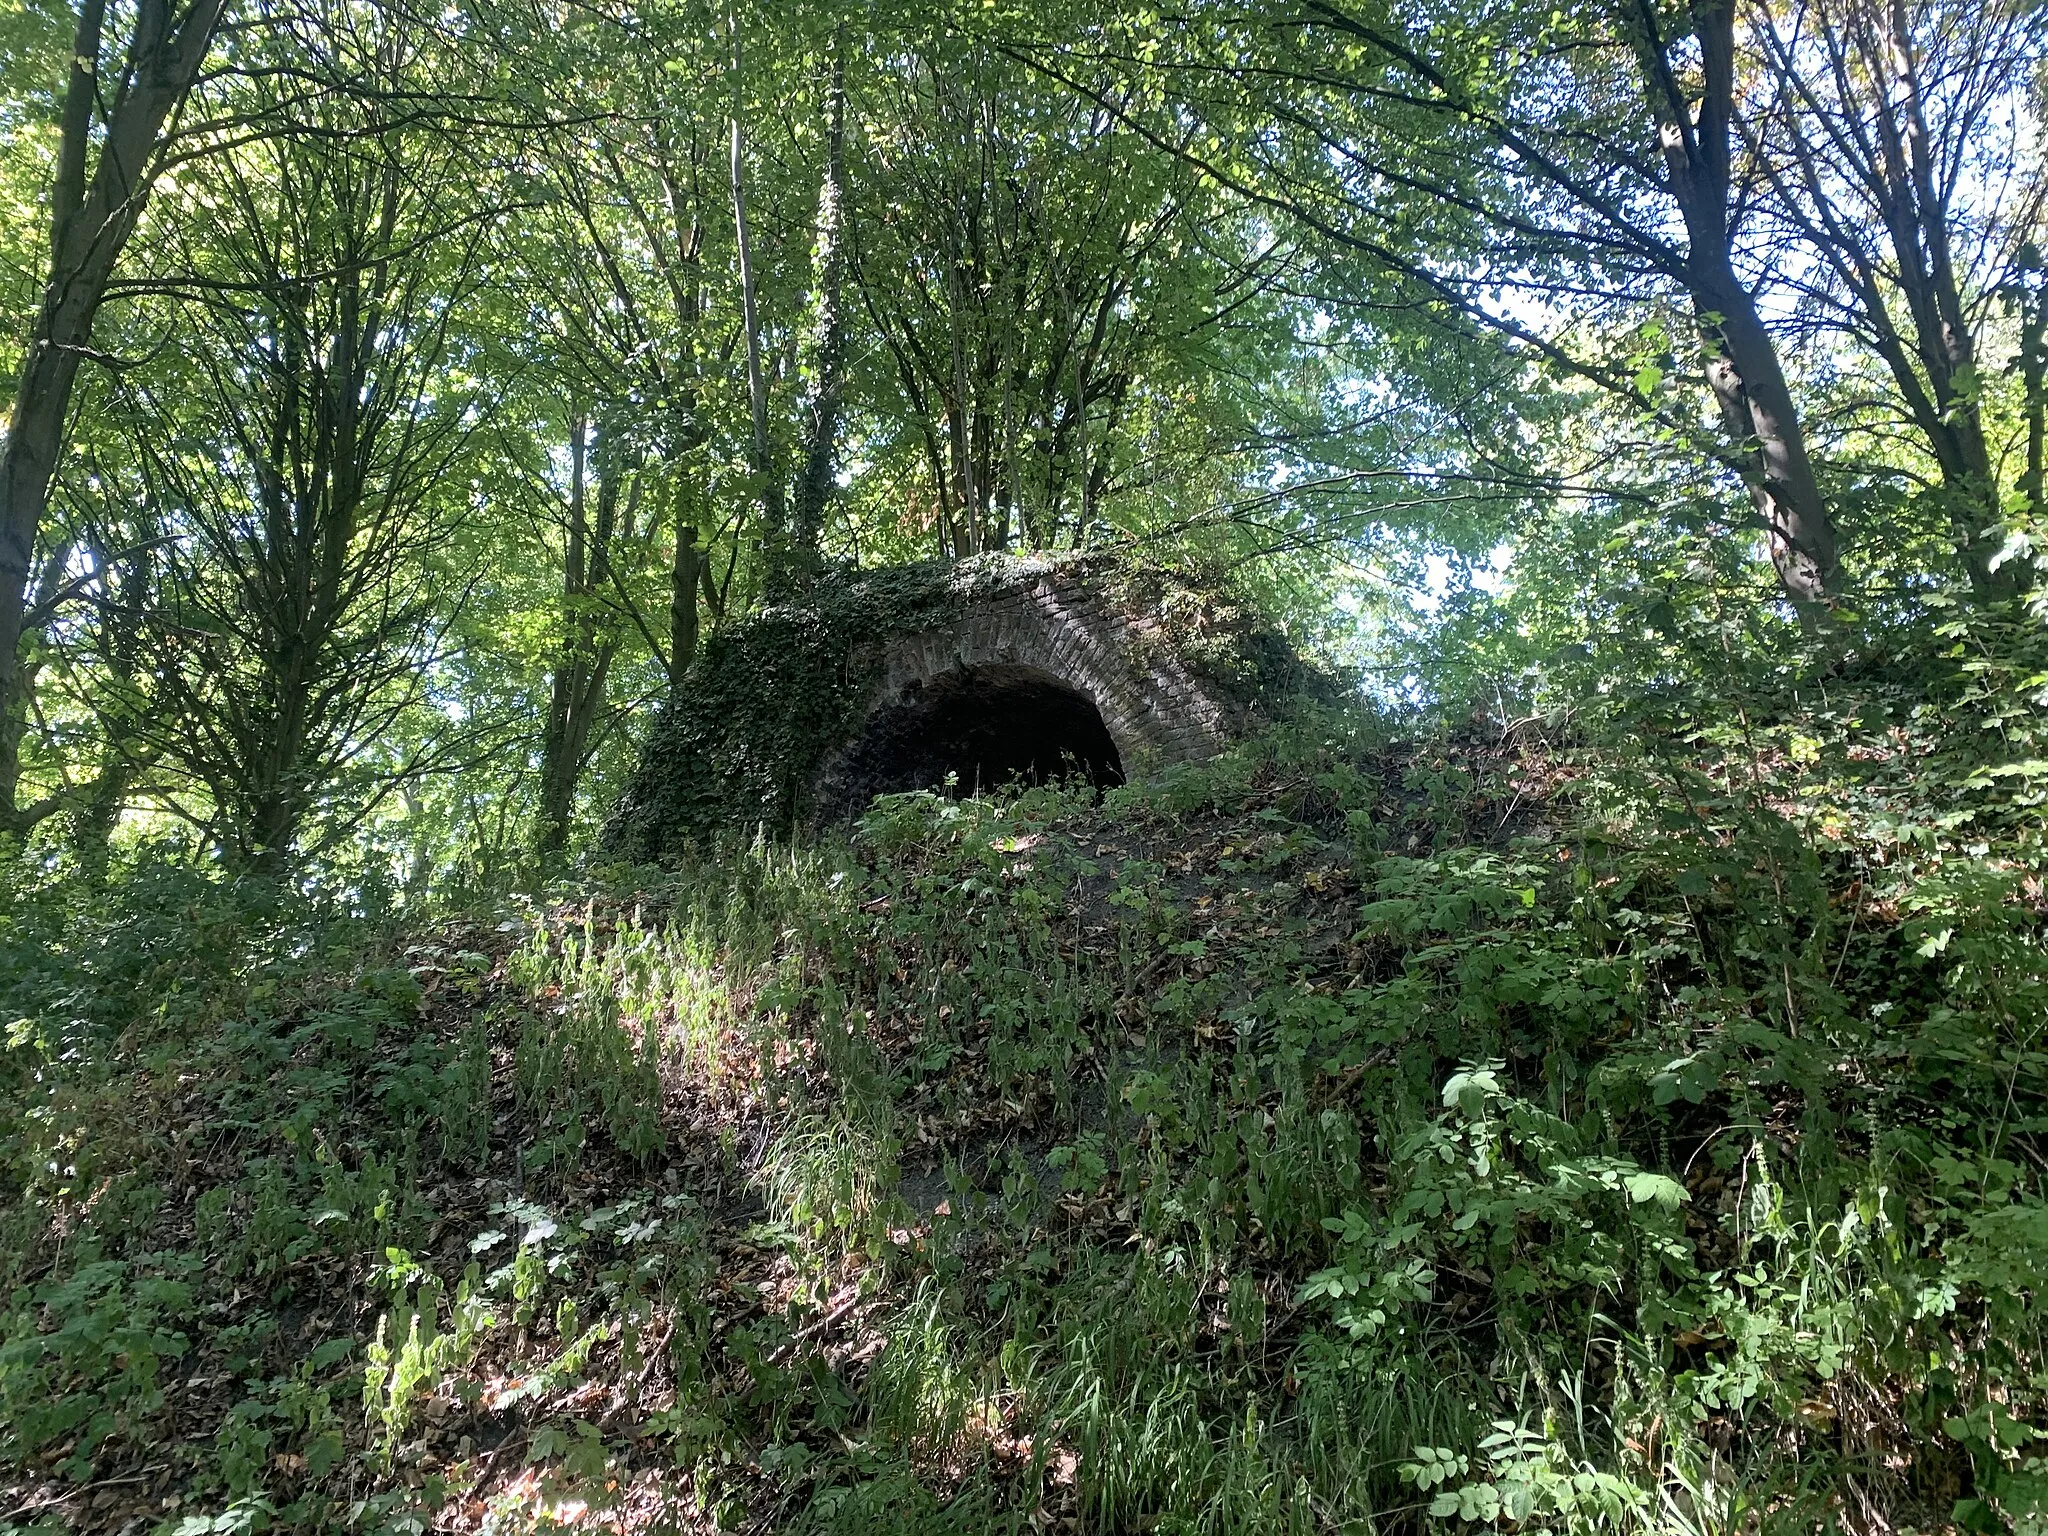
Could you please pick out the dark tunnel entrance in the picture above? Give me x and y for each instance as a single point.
(985, 725)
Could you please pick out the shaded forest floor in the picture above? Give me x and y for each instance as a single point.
(1346, 1135)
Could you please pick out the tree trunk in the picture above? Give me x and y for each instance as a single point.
(274, 830)
(128, 589)
(557, 771)
(824, 377)
(685, 577)
(584, 665)
(1756, 407)
(1743, 371)
(761, 458)
(90, 222)
(2034, 372)
(98, 812)
(1919, 213)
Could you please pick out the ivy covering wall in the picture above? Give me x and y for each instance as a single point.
(770, 698)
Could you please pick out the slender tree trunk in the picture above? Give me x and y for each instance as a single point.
(90, 222)
(420, 868)
(557, 770)
(824, 375)
(577, 696)
(1084, 471)
(311, 524)
(275, 801)
(761, 462)
(1920, 230)
(2034, 373)
(24, 489)
(685, 577)
(598, 646)
(1743, 370)
(129, 590)
(277, 795)
(1853, 126)
(960, 415)
(1756, 407)
(99, 812)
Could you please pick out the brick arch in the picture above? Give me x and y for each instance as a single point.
(1157, 711)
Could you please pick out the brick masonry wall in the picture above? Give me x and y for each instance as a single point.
(1158, 711)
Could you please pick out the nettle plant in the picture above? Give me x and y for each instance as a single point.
(85, 1356)
(1500, 1189)
(1500, 1193)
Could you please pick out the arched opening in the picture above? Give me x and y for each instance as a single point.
(982, 727)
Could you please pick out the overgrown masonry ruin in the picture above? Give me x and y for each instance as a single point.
(982, 671)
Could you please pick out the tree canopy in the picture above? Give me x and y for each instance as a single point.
(418, 395)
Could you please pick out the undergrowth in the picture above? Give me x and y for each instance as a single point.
(1523, 1131)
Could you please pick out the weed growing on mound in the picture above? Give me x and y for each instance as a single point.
(1338, 1136)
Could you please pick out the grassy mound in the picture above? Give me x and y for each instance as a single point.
(1340, 1136)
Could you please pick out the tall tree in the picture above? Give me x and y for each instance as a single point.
(1688, 84)
(824, 361)
(1030, 274)
(1504, 170)
(111, 142)
(761, 448)
(303, 455)
(1890, 138)
(587, 643)
(626, 267)
(2029, 295)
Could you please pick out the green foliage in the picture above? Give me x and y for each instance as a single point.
(1566, 1135)
(1527, 1480)
(1600, 1086)
(411, 1352)
(84, 1358)
(577, 1062)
